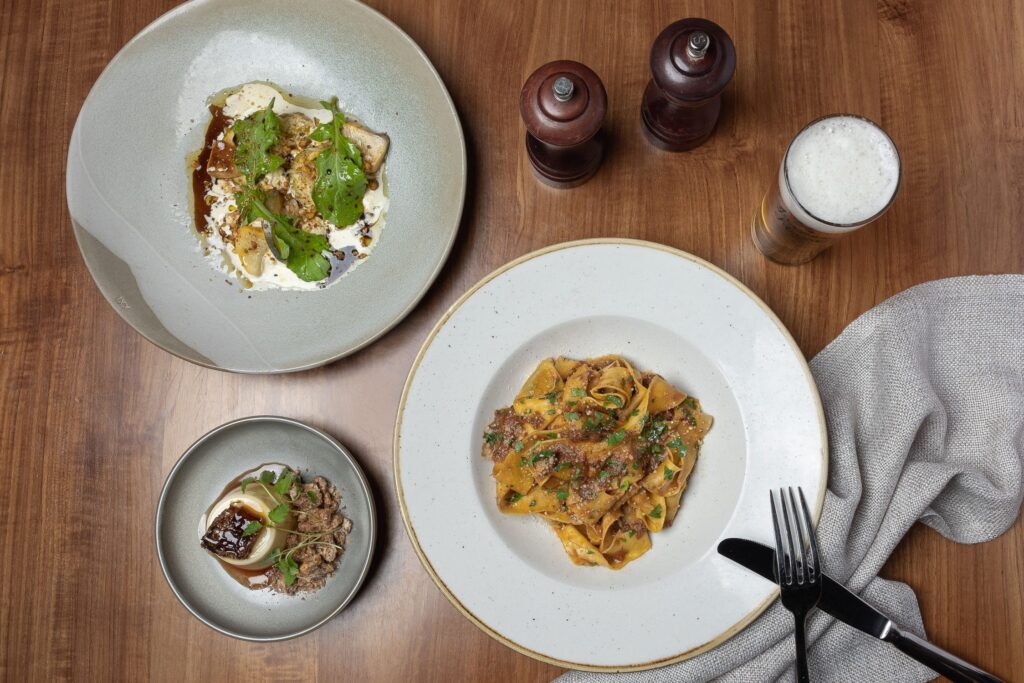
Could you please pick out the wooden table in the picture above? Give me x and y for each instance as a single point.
(92, 416)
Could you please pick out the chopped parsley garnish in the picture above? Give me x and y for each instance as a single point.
(690, 403)
(614, 399)
(562, 494)
(551, 396)
(518, 445)
(542, 455)
(552, 411)
(656, 448)
(654, 431)
(635, 412)
(624, 485)
(533, 503)
(514, 497)
(590, 425)
(668, 472)
(572, 416)
(562, 466)
(523, 461)
(491, 437)
(603, 474)
(632, 533)
(577, 392)
(616, 438)
(656, 512)
(676, 444)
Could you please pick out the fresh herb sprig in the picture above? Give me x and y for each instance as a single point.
(278, 487)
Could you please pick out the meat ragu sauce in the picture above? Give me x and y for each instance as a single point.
(201, 179)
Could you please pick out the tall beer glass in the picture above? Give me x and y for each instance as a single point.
(839, 173)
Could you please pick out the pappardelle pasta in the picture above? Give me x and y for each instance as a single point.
(600, 450)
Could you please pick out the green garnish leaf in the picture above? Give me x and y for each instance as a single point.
(632, 533)
(284, 482)
(280, 513)
(518, 445)
(603, 474)
(302, 251)
(311, 496)
(624, 485)
(551, 396)
(668, 472)
(577, 392)
(533, 503)
(523, 462)
(616, 438)
(340, 180)
(491, 437)
(562, 494)
(614, 399)
(252, 527)
(676, 444)
(562, 466)
(267, 477)
(542, 455)
(656, 512)
(247, 481)
(514, 497)
(289, 569)
(254, 136)
(572, 416)
(690, 403)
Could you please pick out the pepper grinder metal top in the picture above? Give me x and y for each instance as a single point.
(692, 61)
(563, 105)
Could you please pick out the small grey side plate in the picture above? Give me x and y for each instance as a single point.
(199, 477)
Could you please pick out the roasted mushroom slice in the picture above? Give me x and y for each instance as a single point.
(373, 146)
(250, 245)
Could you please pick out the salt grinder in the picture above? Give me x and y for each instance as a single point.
(692, 61)
(563, 105)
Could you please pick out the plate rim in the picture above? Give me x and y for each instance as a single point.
(371, 524)
(349, 350)
(396, 445)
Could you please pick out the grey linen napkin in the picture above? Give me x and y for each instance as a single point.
(924, 401)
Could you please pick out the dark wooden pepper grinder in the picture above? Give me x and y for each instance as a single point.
(692, 61)
(563, 105)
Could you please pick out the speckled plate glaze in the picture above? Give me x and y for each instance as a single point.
(197, 481)
(668, 312)
(130, 198)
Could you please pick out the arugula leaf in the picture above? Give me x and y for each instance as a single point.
(303, 251)
(254, 136)
(340, 180)
(252, 527)
(280, 513)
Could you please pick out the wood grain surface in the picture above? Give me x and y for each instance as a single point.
(92, 416)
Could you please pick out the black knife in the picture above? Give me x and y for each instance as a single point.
(847, 607)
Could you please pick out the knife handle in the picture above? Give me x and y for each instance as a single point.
(936, 658)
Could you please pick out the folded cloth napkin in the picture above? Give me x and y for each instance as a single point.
(924, 401)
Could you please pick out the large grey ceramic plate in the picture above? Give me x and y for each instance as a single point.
(130, 199)
(199, 478)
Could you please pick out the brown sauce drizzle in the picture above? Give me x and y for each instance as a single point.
(201, 179)
(250, 578)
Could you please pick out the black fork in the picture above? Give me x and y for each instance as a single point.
(797, 565)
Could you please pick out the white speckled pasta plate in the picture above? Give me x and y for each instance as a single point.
(129, 190)
(668, 312)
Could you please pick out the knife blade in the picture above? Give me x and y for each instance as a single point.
(850, 609)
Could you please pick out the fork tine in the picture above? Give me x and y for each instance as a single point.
(810, 532)
(802, 538)
(779, 550)
(798, 576)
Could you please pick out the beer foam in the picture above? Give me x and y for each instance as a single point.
(842, 171)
